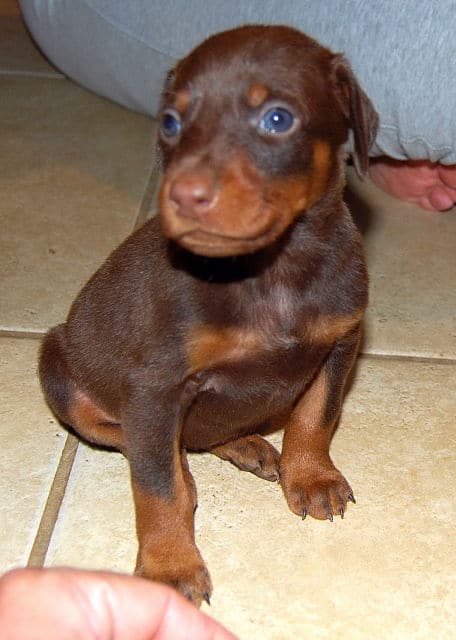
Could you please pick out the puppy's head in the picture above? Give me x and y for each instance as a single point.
(251, 129)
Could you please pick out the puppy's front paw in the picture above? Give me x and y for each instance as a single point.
(321, 493)
(194, 583)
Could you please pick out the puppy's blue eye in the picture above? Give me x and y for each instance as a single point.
(277, 120)
(171, 124)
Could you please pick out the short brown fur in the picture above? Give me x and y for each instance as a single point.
(237, 310)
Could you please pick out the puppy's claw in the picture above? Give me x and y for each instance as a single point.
(341, 512)
(207, 599)
(304, 514)
(351, 497)
(330, 515)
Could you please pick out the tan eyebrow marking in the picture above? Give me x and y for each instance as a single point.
(257, 94)
(182, 100)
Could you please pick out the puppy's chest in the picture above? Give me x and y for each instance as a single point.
(262, 327)
(278, 323)
(276, 308)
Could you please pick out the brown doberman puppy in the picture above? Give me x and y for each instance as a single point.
(238, 308)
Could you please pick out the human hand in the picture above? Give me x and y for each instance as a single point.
(430, 185)
(51, 604)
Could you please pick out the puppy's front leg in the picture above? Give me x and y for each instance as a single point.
(310, 481)
(163, 488)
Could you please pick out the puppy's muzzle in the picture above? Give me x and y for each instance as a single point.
(219, 213)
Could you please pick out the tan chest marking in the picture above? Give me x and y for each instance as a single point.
(327, 329)
(207, 346)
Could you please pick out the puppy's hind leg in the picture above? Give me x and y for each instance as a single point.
(71, 405)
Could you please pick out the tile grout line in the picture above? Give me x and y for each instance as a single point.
(21, 334)
(149, 196)
(54, 501)
(408, 358)
(46, 75)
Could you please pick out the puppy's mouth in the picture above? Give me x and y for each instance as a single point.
(214, 244)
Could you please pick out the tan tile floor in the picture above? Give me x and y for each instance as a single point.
(73, 176)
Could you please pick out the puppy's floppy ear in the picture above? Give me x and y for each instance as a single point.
(358, 110)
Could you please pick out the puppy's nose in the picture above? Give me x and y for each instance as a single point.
(193, 193)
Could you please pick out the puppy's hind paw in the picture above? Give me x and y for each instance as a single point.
(251, 453)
